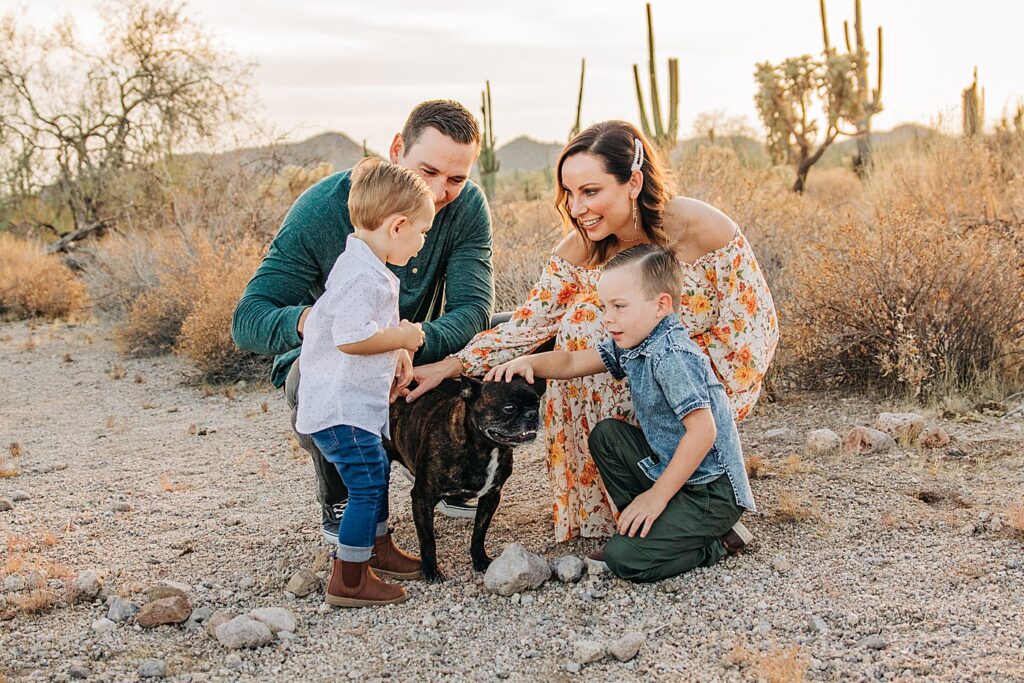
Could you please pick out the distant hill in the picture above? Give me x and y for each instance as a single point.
(337, 149)
(526, 154)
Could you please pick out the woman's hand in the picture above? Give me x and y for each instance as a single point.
(520, 366)
(641, 513)
(429, 376)
(403, 374)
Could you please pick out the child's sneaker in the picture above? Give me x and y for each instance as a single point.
(736, 538)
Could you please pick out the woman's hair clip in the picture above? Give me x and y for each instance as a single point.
(638, 155)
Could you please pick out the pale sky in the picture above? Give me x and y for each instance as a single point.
(359, 67)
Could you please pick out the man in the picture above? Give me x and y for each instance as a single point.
(448, 286)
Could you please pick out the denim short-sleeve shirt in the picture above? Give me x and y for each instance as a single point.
(670, 377)
(338, 388)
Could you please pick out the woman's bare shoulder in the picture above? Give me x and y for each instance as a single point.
(572, 249)
(697, 227)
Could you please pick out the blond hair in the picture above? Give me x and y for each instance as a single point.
(656, 267)
(380, 189)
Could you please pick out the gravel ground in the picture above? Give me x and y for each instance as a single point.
(893, 565)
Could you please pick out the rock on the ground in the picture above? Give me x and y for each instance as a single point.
(822, 442)
(595, 567)
(19, 496)
(816, 624)
(863, 440)
(153, 668)
(302, 583)
(167, 589)
(276, 618)
(87, 585)
(244, 631)
(934, 437)
(781, 564)
(103, 625)
(14, 583)
(781, 435)
(568, 568)
(121, 610)
(904, 427)
(5, 505)
(219, 617)
(587, 651)
(79, 670)
(873, 643)
(516, 570)
(173, 610)
(626, 647)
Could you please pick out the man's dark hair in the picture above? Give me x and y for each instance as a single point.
(447, 117)
(656, 268)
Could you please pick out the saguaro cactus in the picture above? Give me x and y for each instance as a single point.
(488, 158)
(868, 100)
(661, 135)
(579, 101)
(973, 109)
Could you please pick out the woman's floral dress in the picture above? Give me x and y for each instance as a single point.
(726, 305)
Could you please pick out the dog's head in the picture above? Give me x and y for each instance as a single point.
(507, 413)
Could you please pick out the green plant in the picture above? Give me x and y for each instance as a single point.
(661, 135)
(489, 163)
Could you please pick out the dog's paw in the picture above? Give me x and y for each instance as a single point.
(481, 564)
(433, 575)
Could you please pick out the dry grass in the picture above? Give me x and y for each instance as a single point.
(170, 486)
(793, 507)
(783, 665)
(24, 557)
(36, 285)
(1015, 518)
(525, 234)
(757, 467)
(117, 372)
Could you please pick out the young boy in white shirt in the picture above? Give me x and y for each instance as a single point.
(353, 349)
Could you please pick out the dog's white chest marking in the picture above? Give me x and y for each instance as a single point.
(492, 469)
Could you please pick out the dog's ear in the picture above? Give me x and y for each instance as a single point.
(470, 387)
(538, 387)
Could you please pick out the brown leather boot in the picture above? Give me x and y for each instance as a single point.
(390, 560)
(353, 584)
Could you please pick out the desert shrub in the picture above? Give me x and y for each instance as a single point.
(909, 302)
(34, 284)
(525, 233)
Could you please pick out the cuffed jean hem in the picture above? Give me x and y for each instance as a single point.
(348, 553)
(382, 528)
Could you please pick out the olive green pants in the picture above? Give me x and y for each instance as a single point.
(685, 535)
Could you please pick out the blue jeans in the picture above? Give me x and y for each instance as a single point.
(363, 465)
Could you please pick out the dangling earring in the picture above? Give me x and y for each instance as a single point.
(636, 230)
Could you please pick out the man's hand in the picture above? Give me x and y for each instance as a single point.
(302, 321)
(403, 374)
(520, 366)
(641, 513)
(429, 376)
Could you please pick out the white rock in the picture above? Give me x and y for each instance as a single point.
(822, 442)
(302, 583)
(626, 647)
(243, 631)
(153, 668)
(87, 585)
(904, 427)
(781, 564)
(121, 610)
(595, 567)
(14, 583)
(863, 440)
(516, 570)
(103, 625)
(568, 568)
(781, 435)
(587, 651)
(19, 496)
(276, 618)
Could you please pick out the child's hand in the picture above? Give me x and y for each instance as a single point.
(519, 366)
(403, 374)
(412, 335)
(641, 513)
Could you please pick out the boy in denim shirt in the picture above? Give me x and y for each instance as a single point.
(679, 481)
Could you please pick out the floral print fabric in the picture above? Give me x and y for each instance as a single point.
(726, 306)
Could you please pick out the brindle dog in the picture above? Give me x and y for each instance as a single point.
(457, 440)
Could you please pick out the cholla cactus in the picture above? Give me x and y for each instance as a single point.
(661, 135)
(973, 109)
(868, 100)
(488, 157)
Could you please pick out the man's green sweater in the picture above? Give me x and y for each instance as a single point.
(448, 286)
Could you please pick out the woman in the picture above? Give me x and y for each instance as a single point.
(611, 191)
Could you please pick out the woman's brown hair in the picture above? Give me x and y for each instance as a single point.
(613, 143)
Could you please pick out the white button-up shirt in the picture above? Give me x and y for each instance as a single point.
(337, 388)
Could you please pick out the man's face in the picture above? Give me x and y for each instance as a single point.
(442, 162)
(629, 315)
